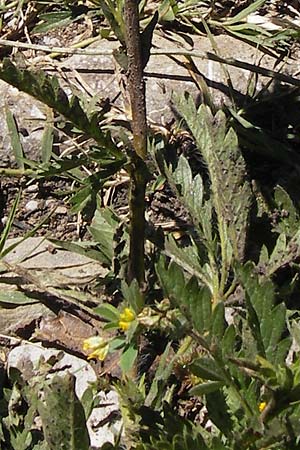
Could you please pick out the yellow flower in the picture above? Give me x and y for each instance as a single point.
(262, 406)
(126, 317)
(99, 346)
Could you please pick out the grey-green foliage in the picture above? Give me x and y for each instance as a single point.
(47, 89)
(285, 223)
(230, 189)
(266, 319)
(62, 415)
(18, 423)
(192, 299)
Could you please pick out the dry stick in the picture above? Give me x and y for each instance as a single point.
(170, 52)
(136, 90)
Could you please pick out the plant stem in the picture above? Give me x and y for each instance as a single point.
(138, 173)
(16, 173)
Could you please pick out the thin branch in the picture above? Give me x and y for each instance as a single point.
(98, 51)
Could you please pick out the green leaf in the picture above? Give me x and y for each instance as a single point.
(15, 140)
(47, 138)
(218, 411)
(113, 13)
(158, 386)
(206, 388)
(46, 89)
(198, 300)
(133, 295)
(190, 190)
(9, 223)
(266, 321)
(62, 415)
(88, 249)
(171, 279)
(146, 38)
(11, 297)
(289, 216)
(52, 21)
(207, 369)
(108, 312)
(228, 342)
(128, 358)
(165, 11)
(244, 12)
(102, 230)
(218, 323)
(230, 188)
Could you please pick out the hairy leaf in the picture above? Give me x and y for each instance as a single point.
(267, 322)
(46, 89)
(231, 192)
(62, 415)
(194, 300)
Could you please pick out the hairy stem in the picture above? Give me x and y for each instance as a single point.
(136, 90)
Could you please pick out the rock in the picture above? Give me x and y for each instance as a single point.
(61, 210)
(163, 76)
(32, 188)
(32, 206)
(104, 423)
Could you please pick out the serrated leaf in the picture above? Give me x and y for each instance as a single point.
(231, 192)
(187, 258)
(266, 321)
(289, 216)
(171, 279)
(192, 299)
(190, 190)
(161, 377)
(62, 415)
(198, 300)
(46, 89)
(272, 329)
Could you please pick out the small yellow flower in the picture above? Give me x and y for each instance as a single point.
(99, 346)
(262, 406)
(126, 317)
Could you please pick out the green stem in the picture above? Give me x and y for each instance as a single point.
(16, 173)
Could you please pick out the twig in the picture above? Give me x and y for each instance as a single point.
(97, 51)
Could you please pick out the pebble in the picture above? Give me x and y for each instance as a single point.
(49, 202)
(32, 206)
(32, 188)
(61, 210)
